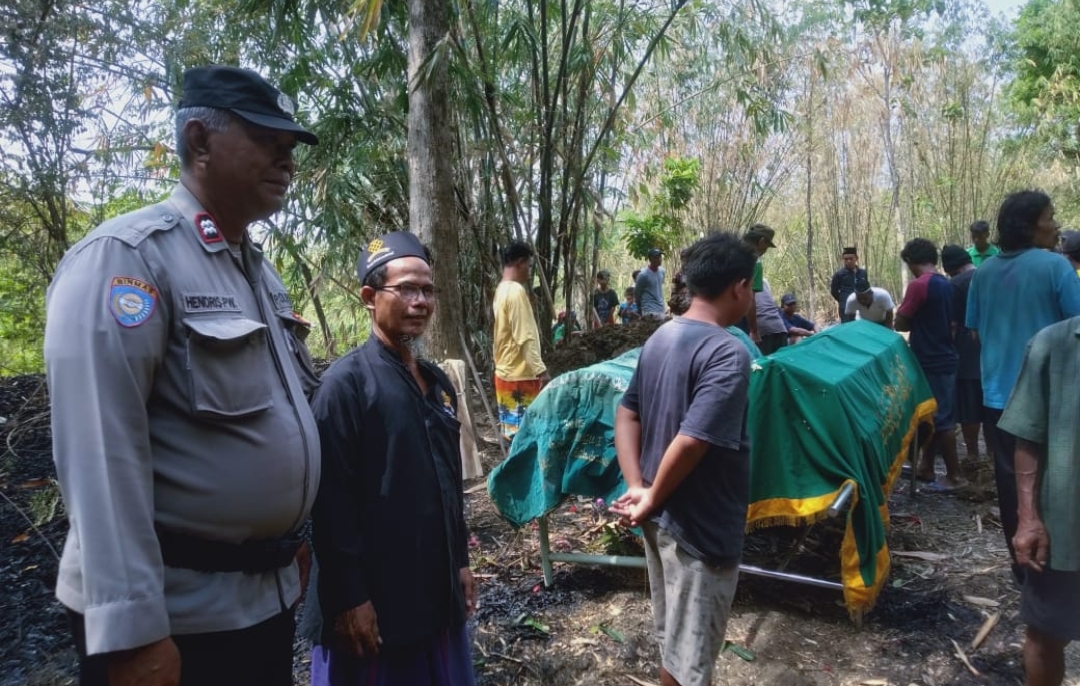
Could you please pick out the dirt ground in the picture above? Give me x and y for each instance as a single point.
(593, 626)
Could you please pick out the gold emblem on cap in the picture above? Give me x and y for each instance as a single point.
(285, 104)
(376, 248)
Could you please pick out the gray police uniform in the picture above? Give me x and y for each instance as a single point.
(177, 373)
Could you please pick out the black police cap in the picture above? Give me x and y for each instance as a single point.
(245, 94)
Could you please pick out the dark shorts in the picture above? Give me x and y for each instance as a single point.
(969, 401)
(1050, 602)
(944, 388)
(772, 342)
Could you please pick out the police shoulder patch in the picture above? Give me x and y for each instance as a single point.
(131, 301)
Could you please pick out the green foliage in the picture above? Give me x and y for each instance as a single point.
(680, 180)
(22, 320)
(1046, 89)
(645, 232)
(661, 225)
(45, 503)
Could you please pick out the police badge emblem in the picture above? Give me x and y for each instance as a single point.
(285, 104)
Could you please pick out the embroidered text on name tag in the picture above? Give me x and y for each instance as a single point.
(210, 302)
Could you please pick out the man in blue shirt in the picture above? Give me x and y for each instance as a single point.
(927, 313)
(1012, 297)
(797, 326)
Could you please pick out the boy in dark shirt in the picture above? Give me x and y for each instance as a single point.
(927, 312)
(604, 300)
(680, 435)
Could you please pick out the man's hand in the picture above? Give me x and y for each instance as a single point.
(155, 664)
(545, 379)
(303, 561)
(468, 587)
(1031, 543)
(358, 630)
(634, 506)
(755, 336)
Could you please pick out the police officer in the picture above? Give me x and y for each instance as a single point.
(187, 455)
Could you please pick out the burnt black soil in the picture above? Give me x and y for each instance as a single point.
(33, 626)
(593, 626)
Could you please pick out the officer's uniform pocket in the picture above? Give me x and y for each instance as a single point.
(229, 365)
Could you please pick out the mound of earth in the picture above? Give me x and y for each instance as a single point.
(582, 350)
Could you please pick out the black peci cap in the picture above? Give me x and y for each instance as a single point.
(245, 94)
(387, 247)
(954, 257)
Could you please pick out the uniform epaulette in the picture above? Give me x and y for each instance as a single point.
(134, 227)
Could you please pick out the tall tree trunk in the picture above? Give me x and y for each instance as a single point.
(432, 210)
(812, 294)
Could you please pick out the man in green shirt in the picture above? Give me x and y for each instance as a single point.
(760, 238)
(1042, 413)
(981, 248)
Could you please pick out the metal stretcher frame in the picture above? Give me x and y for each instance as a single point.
(839, 504)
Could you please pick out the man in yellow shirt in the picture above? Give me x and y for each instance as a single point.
(520, 373)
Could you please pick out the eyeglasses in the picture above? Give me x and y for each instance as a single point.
(412, 292)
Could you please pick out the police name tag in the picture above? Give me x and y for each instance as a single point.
(210, 302)
(131, 301)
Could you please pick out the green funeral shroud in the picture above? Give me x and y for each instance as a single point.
(840, 407)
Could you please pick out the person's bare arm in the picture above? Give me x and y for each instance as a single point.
(899, 321)
(682, 455)
(1031, 541)
(628, 445)
(155, 664)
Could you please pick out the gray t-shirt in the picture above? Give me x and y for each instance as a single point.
(693, 379)
(649, 291)
(769, 320)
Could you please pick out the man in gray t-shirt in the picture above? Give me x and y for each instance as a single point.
(680, 435)
(649, 287)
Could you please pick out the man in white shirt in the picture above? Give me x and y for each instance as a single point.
(872, 304)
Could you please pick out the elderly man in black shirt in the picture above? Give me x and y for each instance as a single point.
(394, 585)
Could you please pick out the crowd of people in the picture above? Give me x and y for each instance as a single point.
(971, 315)
(201, 459)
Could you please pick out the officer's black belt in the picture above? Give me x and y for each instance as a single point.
(250, 557)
